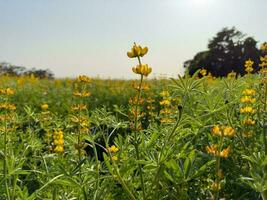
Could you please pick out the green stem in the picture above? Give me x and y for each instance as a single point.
(218, 162)
(264, 118)
(136, 144)
(5, 160)
(97, 170)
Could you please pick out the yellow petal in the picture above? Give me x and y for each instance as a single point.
(130, 54)
(144, 51)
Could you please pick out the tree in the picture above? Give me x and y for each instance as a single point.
(227, 52)
(12, 70)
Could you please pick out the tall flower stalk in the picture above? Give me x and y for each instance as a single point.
(6, 108)
(143, 70)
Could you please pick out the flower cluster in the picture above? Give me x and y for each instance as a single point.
(203, 72)
(79, 109)
(224, 131)
(142, 69)
(231, 75)
(58, 141)
(113, 150)
(249, 66)
(214, 150)
(264, 46)
(247, 110)
(167, 110)
(7, 106)
(263, 65)
(136, 52)
(83, 79)
(7, 91)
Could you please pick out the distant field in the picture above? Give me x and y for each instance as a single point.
(187, 138)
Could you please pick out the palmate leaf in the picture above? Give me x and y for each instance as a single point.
(258, 171)
(185, 170)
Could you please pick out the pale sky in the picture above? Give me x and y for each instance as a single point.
(92, 37)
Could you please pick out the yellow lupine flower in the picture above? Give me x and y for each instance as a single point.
(142, 69)
(228, 131)
(249, 63)
(203, 72)
(81, 94)
(7, 106)
(263, 61)
(78, 107)
(113, 149)
(137, 51)
(44, 106)
(58, 141)
(232, 74)
(249, 69)
(264, 46)
(166, 120)
(249, 92)
(248, 66)
(249, 121)
(114, 158)
(7, 91)
(216, 130)
(164, 93)
(247, 99)
(59, 149)
(225, 153)
(165, 111)
(165, 102)
(84, 79)
(212, 149)
(247, 109)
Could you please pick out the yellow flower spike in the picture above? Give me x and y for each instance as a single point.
(248, 66)
(58, 141)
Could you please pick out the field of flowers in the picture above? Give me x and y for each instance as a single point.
(184, 138)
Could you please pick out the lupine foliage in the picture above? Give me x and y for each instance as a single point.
(185, 138)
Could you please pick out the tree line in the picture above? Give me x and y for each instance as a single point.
(13, 70)
(226, 53)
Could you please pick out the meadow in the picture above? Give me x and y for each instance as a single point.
(192, 137)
